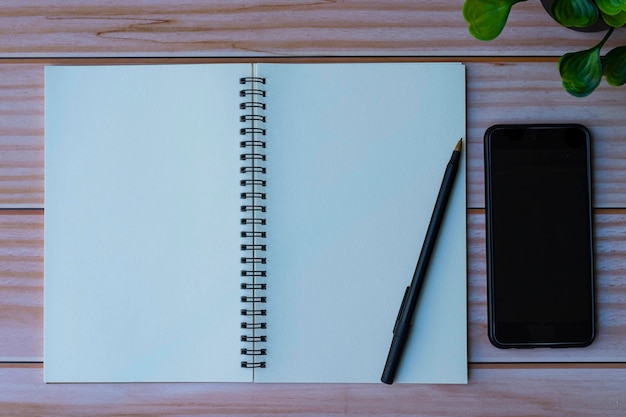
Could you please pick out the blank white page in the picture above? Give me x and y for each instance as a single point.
(142, 224)
(356, 155)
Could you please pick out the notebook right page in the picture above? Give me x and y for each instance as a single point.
(355, 156)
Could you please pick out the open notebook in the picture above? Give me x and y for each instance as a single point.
(250, 222)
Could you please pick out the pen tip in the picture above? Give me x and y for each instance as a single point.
(459, 145)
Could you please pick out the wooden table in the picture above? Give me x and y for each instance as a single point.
(512, 79)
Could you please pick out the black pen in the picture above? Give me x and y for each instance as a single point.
(409, 302)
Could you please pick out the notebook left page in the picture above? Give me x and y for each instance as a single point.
(142, 228)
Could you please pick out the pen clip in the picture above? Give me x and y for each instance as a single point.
(402, 306)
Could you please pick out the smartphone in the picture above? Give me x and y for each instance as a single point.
(540, 269)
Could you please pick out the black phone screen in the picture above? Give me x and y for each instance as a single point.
(539, 236)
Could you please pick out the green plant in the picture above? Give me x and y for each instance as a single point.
(581, 71)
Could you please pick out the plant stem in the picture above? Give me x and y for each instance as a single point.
(606, 38)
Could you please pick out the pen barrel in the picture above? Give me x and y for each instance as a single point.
(430, 239)
(395, 352)
(409, 301)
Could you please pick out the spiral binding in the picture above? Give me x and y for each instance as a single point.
(253, 209)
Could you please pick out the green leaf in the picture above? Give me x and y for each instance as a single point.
(616, 21)
(615, 66)
(581, 71)
(611, 7)
(487, 18)
(575, 13)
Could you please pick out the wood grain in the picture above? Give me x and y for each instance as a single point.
(510, 80)
(610, 259)
(493, 391)
(21, 286)
(499, 92)
(61, 28)
(21, 135)
(505, 92)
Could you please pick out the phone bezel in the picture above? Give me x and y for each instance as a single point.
(492, 328)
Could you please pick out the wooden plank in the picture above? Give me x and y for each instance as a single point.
(498, 92)
(610, 258)
(58, 28)
(492, 391)
(21, 292)
(21, 135)
(21, 285)
(504, 92)
(520, 87)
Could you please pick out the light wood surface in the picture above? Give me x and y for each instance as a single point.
(513, 79)
(79, 28)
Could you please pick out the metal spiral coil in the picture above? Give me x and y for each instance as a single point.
(253, 234)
